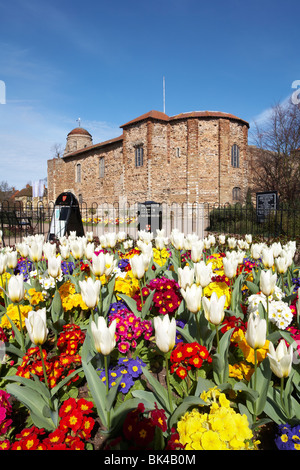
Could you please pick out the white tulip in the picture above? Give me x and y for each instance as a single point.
(203, 273)
(12, 259)
(256, 250)
(49, 250)
(267, 257)
(89, 250)
(248, 238)
(16, 290)
(276, 248)
(196, 251)
(185, 277)
(256, 331)
(3, 263)
(77, 248)
(214, 308)
(281, 264)
(231, 242)
(23, 249)
(111, 239)
(138, 266)
(281, 359)
(65, 251)
(165, 333)
(54, 266)
(230, 266)
(36, 251)
(104, 337)
(177, 239)
(192, 296)
(37, 326)
(90, 292)
(89, 236)
(222, 239)
(267, 282)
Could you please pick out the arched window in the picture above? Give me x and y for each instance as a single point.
(101, 167)
(139, 156)
(236, 193)
(235, 156)
(78, 173)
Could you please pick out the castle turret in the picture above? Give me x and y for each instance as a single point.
(78, 139)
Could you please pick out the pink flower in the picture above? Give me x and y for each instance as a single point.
(123, 346)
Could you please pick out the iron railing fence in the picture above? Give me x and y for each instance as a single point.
(22, 219)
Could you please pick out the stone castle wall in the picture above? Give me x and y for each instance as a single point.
(186, 158)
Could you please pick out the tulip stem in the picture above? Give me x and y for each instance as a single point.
(218, 341)
(141, 293)
(267, 315)
(107, 389)
(281, 391)
(255, 369)
(21, 329)
(168, 384)
(198, 327)
(44, 367)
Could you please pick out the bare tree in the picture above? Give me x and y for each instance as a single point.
(5, 190)
(58, 150)
(275, 161)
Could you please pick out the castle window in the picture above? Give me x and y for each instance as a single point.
(236, 194)
(139, 156)
(101, 167)
(177, 151)
(235, 156)
(78, 173)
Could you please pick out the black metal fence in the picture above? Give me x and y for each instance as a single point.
(22, 219)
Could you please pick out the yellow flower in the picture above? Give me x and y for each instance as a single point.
(241, 370)
(70, 299)
(239, 338)
(210, 441)
(220, 288)
(220, 429)
(4, 279)
(160, 257)
(34, 296)
(127, 285)
(13, 313)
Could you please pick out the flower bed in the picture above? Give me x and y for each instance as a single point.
(174, 344)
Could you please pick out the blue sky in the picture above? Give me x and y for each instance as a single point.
(105, 61)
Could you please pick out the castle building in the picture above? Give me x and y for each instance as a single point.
(191, 157)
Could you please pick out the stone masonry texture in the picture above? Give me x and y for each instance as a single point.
(186, 158)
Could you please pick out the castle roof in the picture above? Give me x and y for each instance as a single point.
(159, 116)
(79, 131)
(94, 147)
(153, 115)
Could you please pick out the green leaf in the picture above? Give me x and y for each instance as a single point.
(147, 305)
(112, 393)
(147, 398)
(97, 389)
(39, 411)
(220, 360)
(57, 310)
(263, 377)
(131, 303)
(118, 415)
(184, 406)
(253, 288)
(159, 391)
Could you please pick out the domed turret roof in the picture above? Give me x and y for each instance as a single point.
(79, 131)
